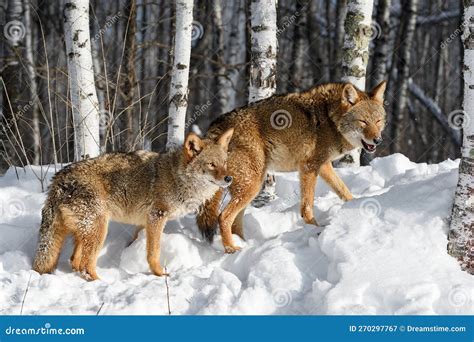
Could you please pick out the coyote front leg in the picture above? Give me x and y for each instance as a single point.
(156, 223)
(307, 185)
(334, 181)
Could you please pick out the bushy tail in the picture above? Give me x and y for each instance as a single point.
(51, 238)
(208, 216)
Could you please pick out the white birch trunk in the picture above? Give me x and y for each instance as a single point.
(355, 55)
(461, 237)
(263, 49)
(180, 74)
(85, 106)
(264, 45)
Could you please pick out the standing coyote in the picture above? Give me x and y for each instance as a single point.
(302, 132)
(141, 188)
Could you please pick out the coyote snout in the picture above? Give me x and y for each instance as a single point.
(223, 183)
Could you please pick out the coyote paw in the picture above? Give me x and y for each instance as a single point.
(311, 221)
(231, 249)
(89, 276)
(160, 272)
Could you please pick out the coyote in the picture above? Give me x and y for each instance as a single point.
(142, 188)
(302, 132)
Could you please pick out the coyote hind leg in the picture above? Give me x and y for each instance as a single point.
(76, 254)
(92, 237)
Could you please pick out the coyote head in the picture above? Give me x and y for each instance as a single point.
(208, 158)
(361, 118)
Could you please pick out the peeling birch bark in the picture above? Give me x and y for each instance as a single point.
(355, 55)
(180, 74)
(84, 102)
(264, 45)
(263, 49)
(461, 234)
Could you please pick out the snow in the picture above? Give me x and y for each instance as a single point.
(382, 253)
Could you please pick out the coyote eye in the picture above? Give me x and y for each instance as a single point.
(363, 122)
(211, 165)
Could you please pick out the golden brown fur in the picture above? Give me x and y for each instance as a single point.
(141, 188)
(301, 132)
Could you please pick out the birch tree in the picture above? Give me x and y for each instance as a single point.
(263, 69)
(180, 73)
(84, 102)
(461, 237)
(263, 49)
(355, 55)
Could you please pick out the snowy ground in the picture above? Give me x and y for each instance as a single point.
(382, 253)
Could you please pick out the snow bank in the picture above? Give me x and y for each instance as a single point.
(382, 253)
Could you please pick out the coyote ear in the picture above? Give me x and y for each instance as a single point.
(224, 139)
(193, 145)
(349, 95)
(378, 92)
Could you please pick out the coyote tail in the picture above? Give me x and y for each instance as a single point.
(50, 241)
